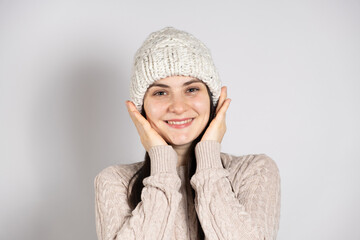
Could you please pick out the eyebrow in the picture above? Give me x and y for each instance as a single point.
(166, 86)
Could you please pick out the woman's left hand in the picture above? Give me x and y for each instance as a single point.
(217, 127)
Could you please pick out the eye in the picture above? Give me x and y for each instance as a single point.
(193, 89)
(159, 93)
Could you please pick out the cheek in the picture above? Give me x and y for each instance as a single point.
(154, 111)
(202, 106)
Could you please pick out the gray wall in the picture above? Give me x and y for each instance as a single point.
(292, 71)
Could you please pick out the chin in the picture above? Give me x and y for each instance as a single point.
(181, 140)
(180, 143)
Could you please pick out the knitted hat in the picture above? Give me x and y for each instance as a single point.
(171, 52)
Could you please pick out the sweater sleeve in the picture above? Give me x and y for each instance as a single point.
(248, 208)
(153, 217)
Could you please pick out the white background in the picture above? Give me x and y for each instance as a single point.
(293, 73)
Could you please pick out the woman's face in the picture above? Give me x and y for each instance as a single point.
(178, 108)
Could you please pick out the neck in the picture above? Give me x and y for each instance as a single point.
(183, 153)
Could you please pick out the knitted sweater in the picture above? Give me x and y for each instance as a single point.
(235, 198)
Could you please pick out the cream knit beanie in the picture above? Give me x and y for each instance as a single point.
(171, 52)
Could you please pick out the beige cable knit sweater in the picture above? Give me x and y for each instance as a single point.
(236, 198)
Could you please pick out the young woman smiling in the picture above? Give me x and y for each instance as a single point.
(185, 188)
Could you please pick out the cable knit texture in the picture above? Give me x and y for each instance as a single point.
(236, 197)
(172, 52)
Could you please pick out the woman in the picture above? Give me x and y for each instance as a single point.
(185, 188)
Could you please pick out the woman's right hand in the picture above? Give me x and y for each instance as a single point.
(148, 136)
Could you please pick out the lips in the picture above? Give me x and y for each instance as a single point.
(179, 123)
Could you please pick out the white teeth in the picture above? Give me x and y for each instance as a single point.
(179, 122)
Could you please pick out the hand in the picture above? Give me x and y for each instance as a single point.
(148, 136)
(217, 127)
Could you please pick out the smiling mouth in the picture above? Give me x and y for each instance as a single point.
(181, 123)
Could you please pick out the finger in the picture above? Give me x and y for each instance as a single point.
(224, 108)
(141, 125)
(135, 115)
(131, 110)
(222, 98)
(131, 106)
(132, 116)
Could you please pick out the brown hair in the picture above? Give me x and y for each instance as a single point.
(134, 197)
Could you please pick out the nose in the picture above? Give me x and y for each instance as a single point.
(178, 105)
